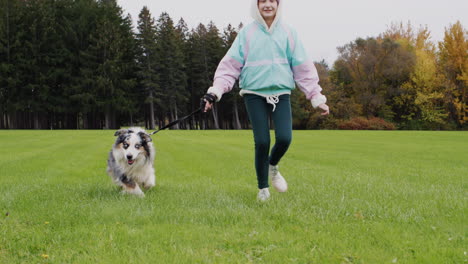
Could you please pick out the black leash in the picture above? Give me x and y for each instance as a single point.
(176, 121)
(206, 98)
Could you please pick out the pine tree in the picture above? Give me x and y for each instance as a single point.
(171, 64)
(182, 35)
(180, 86)
(214, 53)
(147, 61)
(9, 79)
(109, 74)
(81, 94)
(196, 66)
(232, 100)
(38, 63)
(61, 41)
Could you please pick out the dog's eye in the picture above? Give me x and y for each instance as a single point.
(137, 146)
(125, 145)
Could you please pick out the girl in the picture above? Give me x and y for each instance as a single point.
(270, 61)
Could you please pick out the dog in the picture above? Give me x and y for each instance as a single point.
(130, 163)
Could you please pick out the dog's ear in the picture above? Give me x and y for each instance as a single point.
(145, 137)
(121, 132)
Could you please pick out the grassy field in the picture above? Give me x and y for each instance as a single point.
(354, 197)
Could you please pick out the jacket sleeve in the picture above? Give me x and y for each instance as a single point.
(305, 73)
(229, 69)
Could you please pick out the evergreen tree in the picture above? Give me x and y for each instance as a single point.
(231, 101)
(111, 68)
(215, 51)
(39, 63)
(172, 79)
(10, 31)
(81, 94)
(197, 67)
(182, 36)
(147, 61)
(59, 76)
(181, 97)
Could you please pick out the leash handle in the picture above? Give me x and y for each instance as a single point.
(210, 98)
(177, 121)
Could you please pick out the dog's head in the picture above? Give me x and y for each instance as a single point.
(133, 144)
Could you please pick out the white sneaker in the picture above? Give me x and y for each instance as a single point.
(263, 195)
(277, 180)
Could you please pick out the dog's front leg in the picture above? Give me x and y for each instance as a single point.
(150, 181)
(131, 187)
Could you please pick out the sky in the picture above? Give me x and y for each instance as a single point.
(323, 25)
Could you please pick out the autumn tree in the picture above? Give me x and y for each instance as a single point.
(454, 61)
(425, 85)
(372, 71)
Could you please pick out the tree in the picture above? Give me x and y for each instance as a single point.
(214, 53)
(10, 31)
(182, 37)
(306, 117)
(453, 58)
(198, 67)
(372, 71)
(80, 93)
(172, 81)
(44, 63)
(426, 82)
(180, 86)
(231, 100)
(147, 61)
(110, 68)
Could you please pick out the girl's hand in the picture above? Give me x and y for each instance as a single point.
(208, 106)
(324, 108)
(206, 102)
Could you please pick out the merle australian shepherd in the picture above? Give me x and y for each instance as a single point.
(130, 162)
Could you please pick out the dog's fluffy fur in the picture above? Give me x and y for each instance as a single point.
(130, 163)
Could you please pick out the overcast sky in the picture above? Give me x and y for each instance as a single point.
(322, 25)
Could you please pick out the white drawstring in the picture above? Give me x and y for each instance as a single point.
(273, 100)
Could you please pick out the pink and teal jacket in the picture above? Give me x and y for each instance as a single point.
(268, 62)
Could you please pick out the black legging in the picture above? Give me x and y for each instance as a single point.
(259, 111)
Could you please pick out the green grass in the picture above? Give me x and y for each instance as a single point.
(354, 197)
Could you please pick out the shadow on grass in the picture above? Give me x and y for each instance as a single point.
(107, 192)
(104, 192)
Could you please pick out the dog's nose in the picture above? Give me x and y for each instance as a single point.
(129, 157)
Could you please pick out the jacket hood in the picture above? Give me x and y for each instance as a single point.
(255, 13)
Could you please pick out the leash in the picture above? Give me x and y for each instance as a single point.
(206, 98)
(177, 121)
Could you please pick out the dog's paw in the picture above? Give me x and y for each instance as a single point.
(148, 186)
(137, 193)
(150, 182)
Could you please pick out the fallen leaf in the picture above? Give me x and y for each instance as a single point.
(358, 215)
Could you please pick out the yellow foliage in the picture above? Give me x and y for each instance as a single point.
(425, 76)
(425, 81)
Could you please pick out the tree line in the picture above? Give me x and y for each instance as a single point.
(80, 64)
(403, 77)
